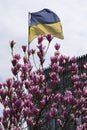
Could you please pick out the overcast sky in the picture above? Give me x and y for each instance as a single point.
(14, 26)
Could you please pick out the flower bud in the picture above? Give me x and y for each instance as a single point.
(24, 47)
(40, 39)
(49, 37)
(12, 43)
(57, 46)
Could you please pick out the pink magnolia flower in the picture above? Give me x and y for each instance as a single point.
(42, 78)
(14, 71)
(29, 96)
(24, 47)
(59, 122)
(80, 127)
(66, 59)
(18, 66)
(63, 108)
(73, 59)
(84, 110)
(48, 91)
(33, 51)
(81, 101)
(17, 128)
(30, 121)
(65, 114)
(54, 111)
(17, 56)
(58, 96)
(34, 89)
(73, 68)
(41, 47)
(40, 39)
(85, 66)
(54, 76)
(75, 77)
(35, 78)
(49, 37)
(40, 122)
(25, 59)
(57, 46)
(36, 111)
(68, 96)
(78, 113)
(25, 111)
(27, 84)
(83, 76)
(54, 105)
(29, 52)
(61, 59)
(72, 116)
(6, 113)
(43, 102)
(68, 93)
(48, 115)
(57, 53)
(9, 82)
(14, 62)
(57, 68)
(24, 68)
(54, 59)
(78, 85)
(85, 91)
(1, 128)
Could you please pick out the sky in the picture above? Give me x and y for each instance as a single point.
(14, 26)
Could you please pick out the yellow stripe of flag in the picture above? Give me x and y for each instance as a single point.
(43, 29)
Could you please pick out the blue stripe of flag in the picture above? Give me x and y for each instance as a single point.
(44, 16)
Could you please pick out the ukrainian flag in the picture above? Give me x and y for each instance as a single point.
(44, 22)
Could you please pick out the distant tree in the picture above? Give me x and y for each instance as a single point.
(31, 101)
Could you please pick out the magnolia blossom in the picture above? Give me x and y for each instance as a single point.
(73, 59)
(40, 39)
(24, 47)
(73, 68)
(57, 68)
(32, 99)
(75, 77)
(49, 37)
(59, 122)
(85, 66)
(85, 91)
(57, 46)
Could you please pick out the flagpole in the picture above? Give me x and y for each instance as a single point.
(29, 18)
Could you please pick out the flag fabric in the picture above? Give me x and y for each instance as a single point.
(44, 22)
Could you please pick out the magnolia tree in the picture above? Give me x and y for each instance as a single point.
(31, 101)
